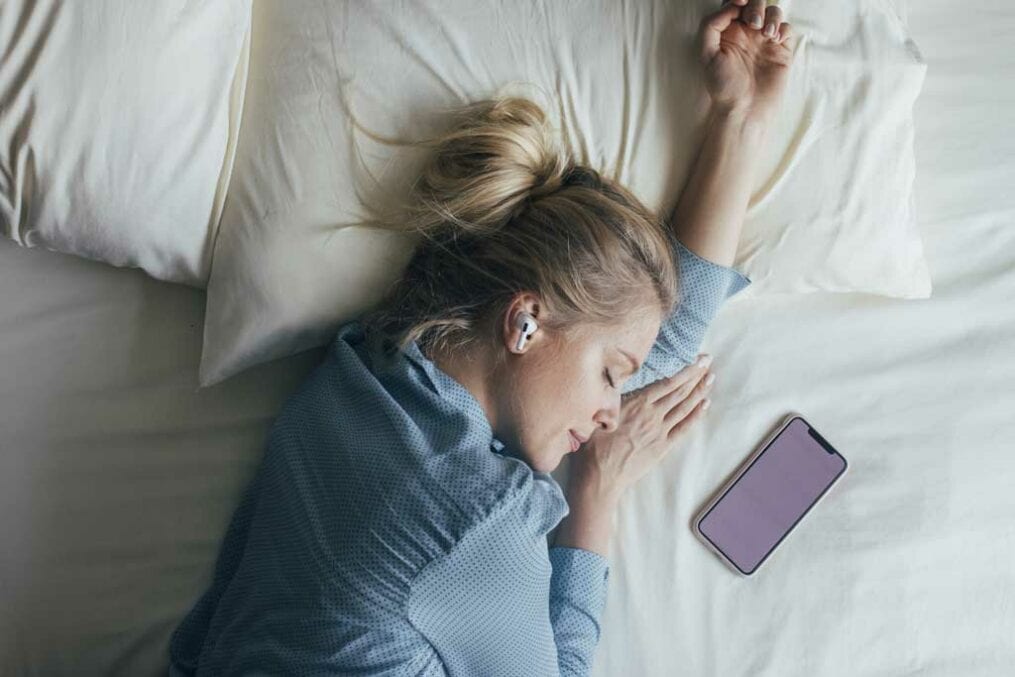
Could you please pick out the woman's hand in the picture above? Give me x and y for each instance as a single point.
(652, 421)
(746, 51)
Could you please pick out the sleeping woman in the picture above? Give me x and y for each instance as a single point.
(399, 521)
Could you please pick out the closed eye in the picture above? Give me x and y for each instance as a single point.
(609, 379)
(634, 363)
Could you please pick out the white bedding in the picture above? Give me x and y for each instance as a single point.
(117, 475)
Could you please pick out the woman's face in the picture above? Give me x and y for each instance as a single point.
(562, 386)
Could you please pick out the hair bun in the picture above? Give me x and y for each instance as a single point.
(546, 186)
(575, 175)
(583, 176)
(499, 156)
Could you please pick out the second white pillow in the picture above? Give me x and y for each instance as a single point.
(118, 122)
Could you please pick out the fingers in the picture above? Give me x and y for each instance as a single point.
(691, 373)
(680, 409)
(768, 20)
(773, 18)
(712, 27)
(754, 13)
(671, 399)
(786, 34)
(696, 415)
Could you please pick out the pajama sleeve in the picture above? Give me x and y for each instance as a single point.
(704, 286)
(577, 598)
(502, 603)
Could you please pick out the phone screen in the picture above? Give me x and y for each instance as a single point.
(772, 495)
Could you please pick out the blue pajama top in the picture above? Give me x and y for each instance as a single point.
(387, 532)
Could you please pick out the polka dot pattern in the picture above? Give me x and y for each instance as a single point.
(704, 286)
(388, 532)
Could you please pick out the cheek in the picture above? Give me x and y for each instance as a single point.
(577, 384)
(588, 390)
(555, 396)
(541, 395)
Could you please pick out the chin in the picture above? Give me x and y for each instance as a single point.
(548, 465)
(547, 468)
(542, 464)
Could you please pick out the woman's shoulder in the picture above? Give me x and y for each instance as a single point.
(437, 430)
(501, 569)
(497, 488)
(395, 438)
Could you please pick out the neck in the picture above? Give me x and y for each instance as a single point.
(471, 371)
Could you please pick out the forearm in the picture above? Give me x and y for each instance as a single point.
(589, 522)
(580, 570)
(709, 215)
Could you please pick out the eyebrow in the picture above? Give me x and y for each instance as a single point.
(634, 362)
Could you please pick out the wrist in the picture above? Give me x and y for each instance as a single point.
(588, 487)
(746, 118)
(589, 522)
(594, 499)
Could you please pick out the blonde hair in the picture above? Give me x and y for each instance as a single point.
(501, 209)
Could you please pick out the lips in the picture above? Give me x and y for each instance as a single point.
(576, 440)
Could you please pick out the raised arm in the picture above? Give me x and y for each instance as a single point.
(745, 74)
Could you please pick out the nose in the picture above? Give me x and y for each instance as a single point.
(608, 419)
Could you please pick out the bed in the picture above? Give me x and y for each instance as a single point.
(118, 474)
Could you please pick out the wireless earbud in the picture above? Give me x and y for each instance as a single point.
(527, 324)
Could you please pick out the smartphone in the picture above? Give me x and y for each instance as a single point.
(778, 484)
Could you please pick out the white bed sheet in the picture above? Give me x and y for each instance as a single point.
(118, 476)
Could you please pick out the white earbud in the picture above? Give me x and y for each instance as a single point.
(527, 324)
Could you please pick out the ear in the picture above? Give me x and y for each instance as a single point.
(527, 302)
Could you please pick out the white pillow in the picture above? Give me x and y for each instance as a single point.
(117, 127)
(621, 83)
(833, 208)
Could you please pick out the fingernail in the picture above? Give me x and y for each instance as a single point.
(706, 403)
(704, 361)
(770, 30)
(709, 379)
(756, 21)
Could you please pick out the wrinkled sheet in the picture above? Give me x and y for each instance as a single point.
(118, 476)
